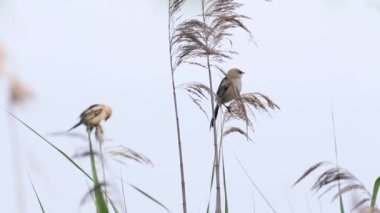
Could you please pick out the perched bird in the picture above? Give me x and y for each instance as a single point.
(229, 89)
(93, 115)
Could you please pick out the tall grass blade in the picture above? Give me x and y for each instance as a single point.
(375, 192)
(35, 193)
(212, 182)
(255, 186)
(122, 190)
(48, 142)
(336, 159)
(113, 205)
(149, 196)
(100, 202)
(224, 185)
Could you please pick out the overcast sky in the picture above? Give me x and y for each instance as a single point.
(310, 54)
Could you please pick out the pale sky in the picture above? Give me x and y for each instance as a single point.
(310, 54)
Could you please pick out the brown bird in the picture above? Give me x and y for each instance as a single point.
(229, 89)
(93, 115)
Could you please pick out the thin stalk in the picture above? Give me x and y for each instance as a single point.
(374, 194)
(183, 185)
(218, 208)
(336, 159)
(101, 205)
(255, 186)
(17, 165)
(103, 170)
(122, 190)
(36, 194)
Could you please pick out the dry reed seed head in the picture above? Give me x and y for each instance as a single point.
(342, 179)
(198, 93)
(120, 153)
(252, 100)
(191, 37)
(236, 130)
(19, 92)
(175, 6)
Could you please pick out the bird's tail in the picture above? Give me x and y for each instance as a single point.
(75, 126)
(212, 123)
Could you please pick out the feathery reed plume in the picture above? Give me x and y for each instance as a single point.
(119, 153)
(174, 9)
(251, 101)
(198, 93)
(207, 37)
(337, 177)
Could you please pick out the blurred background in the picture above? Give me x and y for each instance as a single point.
(59, 57)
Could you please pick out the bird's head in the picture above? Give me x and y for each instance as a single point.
(108, 111)
(234, 73)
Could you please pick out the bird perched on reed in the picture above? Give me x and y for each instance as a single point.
(93, 115)
(229, 89)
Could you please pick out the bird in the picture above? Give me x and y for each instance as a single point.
(93, 115)
(229, 89)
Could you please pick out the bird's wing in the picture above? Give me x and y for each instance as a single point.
(223, 87)
(93, 113)
(89, 110)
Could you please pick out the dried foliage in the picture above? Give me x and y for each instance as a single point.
(198, 93)
(250, 101)
(175, 7)
(120, 153)
(209, 34)
(236, 130)
(342, 180)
